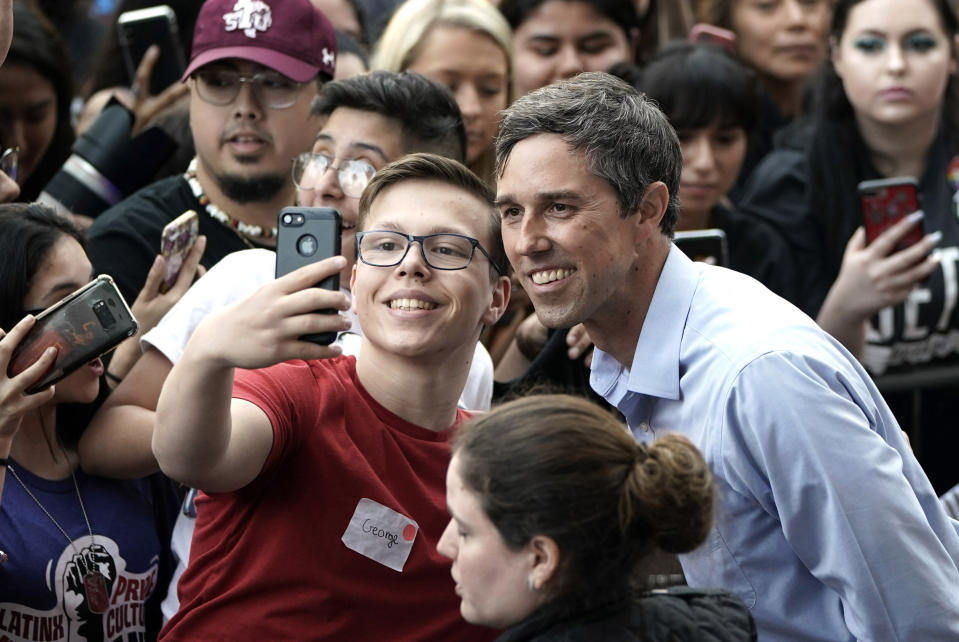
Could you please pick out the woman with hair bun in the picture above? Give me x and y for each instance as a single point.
(554, 505)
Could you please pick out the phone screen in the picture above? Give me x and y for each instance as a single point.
(83, 326)
(306, 235)
(887, 201)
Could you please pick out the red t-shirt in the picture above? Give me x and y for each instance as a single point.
(307, 550)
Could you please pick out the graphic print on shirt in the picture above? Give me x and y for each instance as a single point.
(921, 329)
(381, 534)
(78, 598)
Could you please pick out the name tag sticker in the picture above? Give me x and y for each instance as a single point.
(381, 534)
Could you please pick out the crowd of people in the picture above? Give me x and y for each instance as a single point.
(539, 416)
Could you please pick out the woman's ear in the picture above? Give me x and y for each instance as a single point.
(545, 554)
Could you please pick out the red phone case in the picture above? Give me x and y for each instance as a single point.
(887, 201)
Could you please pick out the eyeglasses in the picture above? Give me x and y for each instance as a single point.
(353, 175)
(386, 248)
(10, 162)
(222, 86)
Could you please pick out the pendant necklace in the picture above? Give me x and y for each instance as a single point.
(241, 229)
(94, 582)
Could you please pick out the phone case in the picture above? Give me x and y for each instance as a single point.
(306, 235)
(713, 35)
(707, 246)
(885, 202)
(82, 326)
(139, 29)
(176, 241)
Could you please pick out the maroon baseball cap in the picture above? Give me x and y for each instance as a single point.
(291, 36)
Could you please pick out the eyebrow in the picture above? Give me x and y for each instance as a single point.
(394, 227)
(370, 147)
(562, 195)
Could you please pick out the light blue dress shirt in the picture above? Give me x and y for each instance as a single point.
(826, 526)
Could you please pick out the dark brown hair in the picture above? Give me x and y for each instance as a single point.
(560, 466)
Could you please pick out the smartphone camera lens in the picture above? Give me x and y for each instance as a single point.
(306, 245)
(103, 314)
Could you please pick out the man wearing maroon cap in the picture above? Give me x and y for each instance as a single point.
(255, 68)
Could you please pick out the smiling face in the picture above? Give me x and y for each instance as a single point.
(784, 40)
(28, 115)
(491, 580)
(412, 309)
(475, 69)
(562, 38)
(246, 139)
(65, 269)
(894, 66)
(712, 158)
(350, 134)
(563, 233)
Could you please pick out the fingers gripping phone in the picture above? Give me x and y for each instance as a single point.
(139, 29)
(176, 241)
(887, 201)
(306, 235)
(82, 326)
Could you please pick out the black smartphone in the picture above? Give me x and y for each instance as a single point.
(885, 202)
(306, 235)
(139, 29)
(82, 326)
(708, 246)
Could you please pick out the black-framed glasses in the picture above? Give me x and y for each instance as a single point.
(386, 248)
(353, 175)
(10, 162)
(222, 86)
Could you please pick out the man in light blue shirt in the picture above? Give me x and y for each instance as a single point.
(826, 526)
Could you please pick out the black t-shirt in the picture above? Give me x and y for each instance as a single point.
(758, 249)
(125, 239)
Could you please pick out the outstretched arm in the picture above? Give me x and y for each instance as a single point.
(204, 438)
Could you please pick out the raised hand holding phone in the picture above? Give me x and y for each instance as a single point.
(14, 403)
(267, 327)
(875, 276)
(306, 235)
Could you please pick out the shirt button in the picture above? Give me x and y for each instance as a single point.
(644, 426)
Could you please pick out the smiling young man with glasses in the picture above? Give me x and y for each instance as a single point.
(370, 120)
(255, 69)
(325, 473)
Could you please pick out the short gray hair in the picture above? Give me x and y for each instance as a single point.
(627, 140)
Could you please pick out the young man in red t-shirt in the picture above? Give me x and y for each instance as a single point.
(323, 475)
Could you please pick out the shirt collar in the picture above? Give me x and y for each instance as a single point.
(655, 367)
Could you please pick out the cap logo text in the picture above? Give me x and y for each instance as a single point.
(249, 16)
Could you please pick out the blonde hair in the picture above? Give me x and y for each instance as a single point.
(412, 22)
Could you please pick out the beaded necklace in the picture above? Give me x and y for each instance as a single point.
(215, 212)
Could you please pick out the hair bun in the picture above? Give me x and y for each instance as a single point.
(670, 494)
